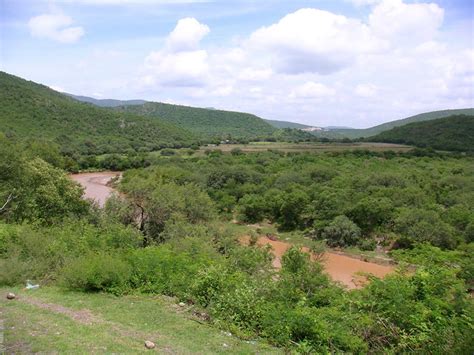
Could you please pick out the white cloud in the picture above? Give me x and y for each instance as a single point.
(314, 41)
(178, 69)
(254, 74)
(180, 63)
(406, 23)
(366, 90)
(186, 35)
(56, 27)
(311, 89)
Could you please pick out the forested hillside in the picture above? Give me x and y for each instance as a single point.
(368, 132)
(454, 133)
(207, 123)
(30, 110)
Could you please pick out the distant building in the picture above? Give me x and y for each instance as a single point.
(312, 129)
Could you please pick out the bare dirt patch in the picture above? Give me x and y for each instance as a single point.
(83, 316)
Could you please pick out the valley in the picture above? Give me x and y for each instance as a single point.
(227, 233)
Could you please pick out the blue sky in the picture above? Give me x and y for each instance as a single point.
(347, 62)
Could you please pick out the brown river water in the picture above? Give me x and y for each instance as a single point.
(342, 268)
(95, 185)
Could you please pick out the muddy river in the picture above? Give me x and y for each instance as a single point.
(342, 268)
(345, 269)
(95, 185)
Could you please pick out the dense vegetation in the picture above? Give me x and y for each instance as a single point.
(207, 123)
(389, 198)
(169, 236)
(29, 110)
(455, 133)
(427, 116)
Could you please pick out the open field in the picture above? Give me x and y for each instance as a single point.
(49, 320)
(309, 147)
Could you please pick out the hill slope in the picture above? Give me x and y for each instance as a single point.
(30, 110)
(368, 132)
(449, 133)
(207, 123)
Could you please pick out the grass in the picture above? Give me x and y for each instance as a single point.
(309, 147)
(44, 321)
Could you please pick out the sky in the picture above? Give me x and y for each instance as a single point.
(353, 63)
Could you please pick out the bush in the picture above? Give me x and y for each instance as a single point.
(341, 232)
(98, 272)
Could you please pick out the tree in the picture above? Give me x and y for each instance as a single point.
(341, 232)
(420, 225)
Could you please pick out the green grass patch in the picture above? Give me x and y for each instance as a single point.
(44, 321)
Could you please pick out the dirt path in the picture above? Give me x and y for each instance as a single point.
(341, 268)
(88, 318)
(83, 316)
(95, 185)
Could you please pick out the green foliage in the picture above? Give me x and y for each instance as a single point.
(35, 190)
(341, 232)
(427, 311)
(419, 225)
(307, 192)
(97, 272)
(450, 133)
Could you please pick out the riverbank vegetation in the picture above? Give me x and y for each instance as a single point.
(171, 234)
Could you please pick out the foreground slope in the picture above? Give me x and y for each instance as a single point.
(207, 123)
(49, 320)
(449, 133)
(30, 110)
(368, 132)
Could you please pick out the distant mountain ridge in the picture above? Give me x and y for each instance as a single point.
(207, 122)
(106, 102)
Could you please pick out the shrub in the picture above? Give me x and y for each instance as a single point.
(341, 232)
(98, 272)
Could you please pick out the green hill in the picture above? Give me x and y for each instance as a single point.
(368, 132)
(454, 133)
(207, 123)
(30, 110)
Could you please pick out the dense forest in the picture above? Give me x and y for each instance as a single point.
(171, 233)
(29, 110)
(208, 123)
(455, 133)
